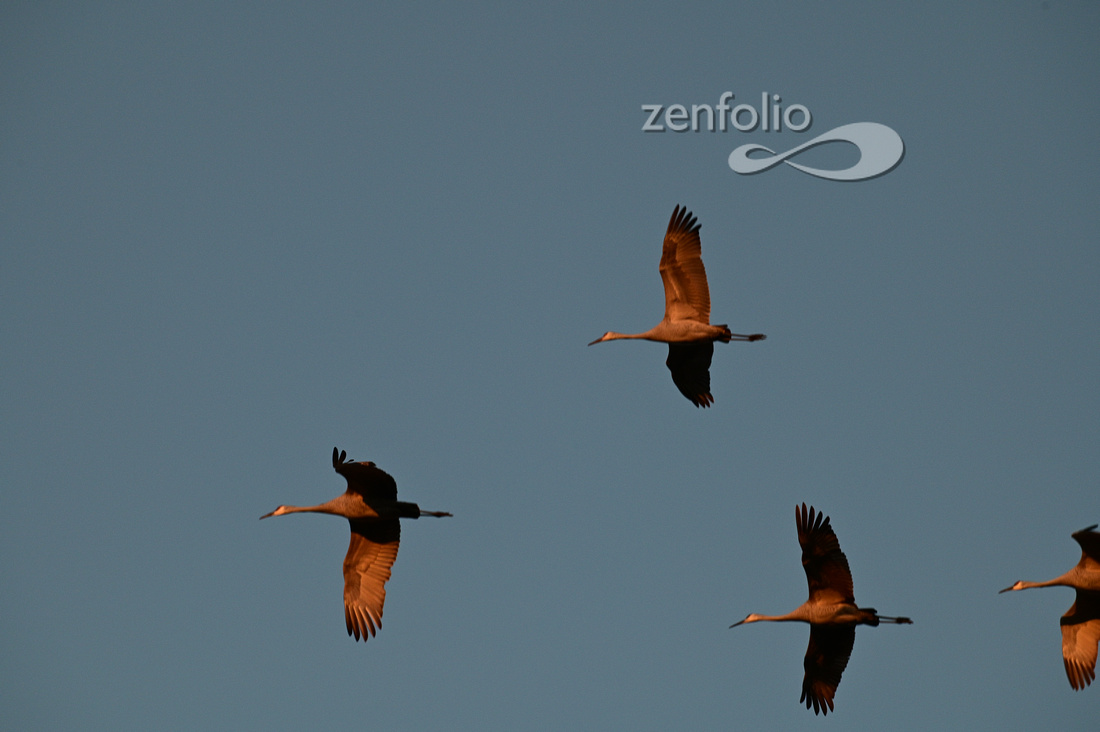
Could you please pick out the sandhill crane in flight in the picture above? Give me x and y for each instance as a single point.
(686, 326)
(831, 610)
(371, 507)
(1081, 623)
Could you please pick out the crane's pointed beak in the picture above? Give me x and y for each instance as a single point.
(1007, 589)
(267, 515)
(740, 622)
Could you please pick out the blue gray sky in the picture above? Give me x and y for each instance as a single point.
(234, 237)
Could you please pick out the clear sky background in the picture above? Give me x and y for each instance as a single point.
(234, 237)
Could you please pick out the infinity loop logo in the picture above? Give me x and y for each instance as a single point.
(880, 150)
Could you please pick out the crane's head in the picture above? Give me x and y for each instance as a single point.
(1018, 585)
(277, 512)
(612, 336)
(606, 336)
(750, 618)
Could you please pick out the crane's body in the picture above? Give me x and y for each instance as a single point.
(353, 506)
(371, 507)
(680, 331)
(816, 613)
(686, 326)
(1081, 623)
(831, 610)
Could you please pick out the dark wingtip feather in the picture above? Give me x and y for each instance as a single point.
(702, 400)
(683, 220)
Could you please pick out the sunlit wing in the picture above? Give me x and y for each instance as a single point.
(1080, 635)
(371, 554)
(682, 272)
(365, 478)
(690, 367)
(827, 573)
(826, 658)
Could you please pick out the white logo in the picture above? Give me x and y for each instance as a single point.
(880, 148)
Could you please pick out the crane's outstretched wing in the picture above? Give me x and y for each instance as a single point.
(690, 367)
(365, 478)
(686, 294)
(371, 553)
(826, 658)
(826, 567)
(1080, 636)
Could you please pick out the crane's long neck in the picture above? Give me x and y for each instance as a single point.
(788, 618)
(613, 336)
(330, 507)
(322, 508)
(795, 616)
(1073, 578)
(1062, 581)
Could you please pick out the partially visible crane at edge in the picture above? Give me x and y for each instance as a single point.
(830, 610)
(1081, 623)
(371, 507)
(686, 326)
